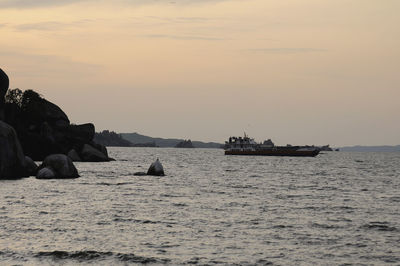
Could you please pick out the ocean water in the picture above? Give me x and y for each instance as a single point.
(335, 209)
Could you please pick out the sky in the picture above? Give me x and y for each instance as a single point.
(296, 71)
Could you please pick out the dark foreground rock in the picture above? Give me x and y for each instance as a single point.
(4, 82)
(12, 159)
(57, 166)
(156, 169)
(43, 128)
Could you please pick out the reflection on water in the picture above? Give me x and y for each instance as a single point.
(209, 209)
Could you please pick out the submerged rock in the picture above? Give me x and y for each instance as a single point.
(61, 166)
(12, 159)
(156, 169)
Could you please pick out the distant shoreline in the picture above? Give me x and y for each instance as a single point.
(383, 148)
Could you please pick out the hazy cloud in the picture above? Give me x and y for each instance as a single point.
(286, 50)
(52, 3)
(182, 37)
(35, 3)
(49, 25)
(45, 66)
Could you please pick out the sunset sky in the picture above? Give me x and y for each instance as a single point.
(297, 71)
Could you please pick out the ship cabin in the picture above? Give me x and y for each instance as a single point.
(241, 144)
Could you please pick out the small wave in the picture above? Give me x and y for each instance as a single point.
(90, 255)
(384, 258)
(282, 226)
(135, 221)
(379, 226)
(324, 226)
(180, 204)
(394, 199)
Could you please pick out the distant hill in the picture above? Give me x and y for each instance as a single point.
(372, 148)
(110, 138)
(136, 138)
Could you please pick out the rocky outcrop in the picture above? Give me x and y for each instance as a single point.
(57, 166)
(42, 127)
(156, 169)
(12, 159)
(4, 83)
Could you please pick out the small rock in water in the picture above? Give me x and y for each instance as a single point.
(60, 165)
(156, 169)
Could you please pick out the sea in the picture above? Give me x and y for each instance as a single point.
(339, 208)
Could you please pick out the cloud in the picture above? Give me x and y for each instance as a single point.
(182, 37)
(54, 3)
(286, 50)
(35, 3)
(49, 25)
(45, 66)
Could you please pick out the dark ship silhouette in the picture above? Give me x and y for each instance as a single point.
(247, 146)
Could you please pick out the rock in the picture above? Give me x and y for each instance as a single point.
(156, 169)
(43, 128)
(60, 164)
(99, 147)
(46, 173)
(74, 156)
(40, 110)
(12, 159)
(4, 83)
(81, 133)
(139, 174)
(30, 166)
(90, 154)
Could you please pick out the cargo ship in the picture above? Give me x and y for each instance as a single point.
(247, 146)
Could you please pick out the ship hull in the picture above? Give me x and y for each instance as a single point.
(292, 153)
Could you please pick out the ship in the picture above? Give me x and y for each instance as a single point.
(247, 146)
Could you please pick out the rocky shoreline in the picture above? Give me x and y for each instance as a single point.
(33, 128)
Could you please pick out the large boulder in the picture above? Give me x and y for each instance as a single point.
(39, 110)
(156, 169)
(4, 83)
(58, 166)
(12, 159)
(90, 154)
